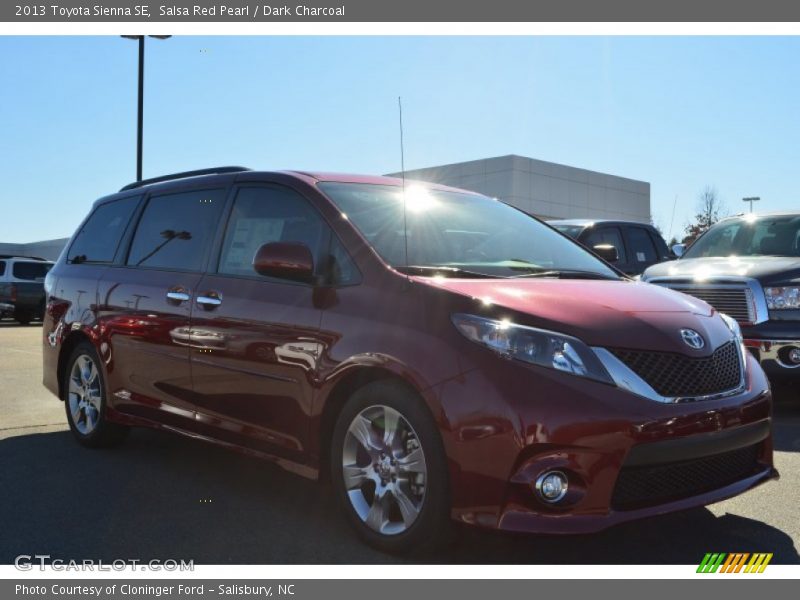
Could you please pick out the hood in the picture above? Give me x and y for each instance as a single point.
(766, 268)
(613, 314)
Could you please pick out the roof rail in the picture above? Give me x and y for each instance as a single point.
(184, 175)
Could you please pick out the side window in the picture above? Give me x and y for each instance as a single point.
(2, 268)
(276, 214)
(99, 238)
(176, 230)
(31, 271)
(607, 235)
(339, 268)
(641, 246)
(661, 246)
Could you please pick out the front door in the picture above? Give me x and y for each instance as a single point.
(255, 341)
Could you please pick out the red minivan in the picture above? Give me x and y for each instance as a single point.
(435, 354)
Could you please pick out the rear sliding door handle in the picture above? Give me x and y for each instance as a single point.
(209, 300)
(178, 296)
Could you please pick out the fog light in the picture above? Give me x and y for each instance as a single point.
(794, 356)
(552, 486)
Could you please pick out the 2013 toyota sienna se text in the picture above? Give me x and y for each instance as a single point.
(435, 354)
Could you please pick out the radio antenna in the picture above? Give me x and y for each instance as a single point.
(403, 177)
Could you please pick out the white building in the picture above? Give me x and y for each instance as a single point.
(547, 190)
(49, 249)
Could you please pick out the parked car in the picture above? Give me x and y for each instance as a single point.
(434, 353)
(22, 287)
(748, 267)
(637, 245)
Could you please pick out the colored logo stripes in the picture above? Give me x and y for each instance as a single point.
(735, 562)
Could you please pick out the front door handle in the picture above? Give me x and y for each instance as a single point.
(209, 300)
(177, 296)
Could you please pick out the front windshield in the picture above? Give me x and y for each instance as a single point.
(750, 236)
(471, 233)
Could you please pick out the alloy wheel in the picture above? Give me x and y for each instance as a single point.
(84, 394)
(384, 470)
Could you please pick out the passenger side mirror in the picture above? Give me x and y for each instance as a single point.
(607, 252)
(285, 260)
(679, 249)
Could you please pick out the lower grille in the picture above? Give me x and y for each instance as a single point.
(638, 487)
(734, 301)
(679, 376)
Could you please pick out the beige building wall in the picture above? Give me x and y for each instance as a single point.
(547, 190)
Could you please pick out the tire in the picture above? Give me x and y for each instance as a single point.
(85, 400)
(397, 494)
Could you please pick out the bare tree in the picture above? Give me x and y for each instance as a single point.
(710, 208)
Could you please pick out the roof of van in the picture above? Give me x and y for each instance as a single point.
(311, 177)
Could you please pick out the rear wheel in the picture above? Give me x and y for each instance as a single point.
(389, 469)
(85, 400)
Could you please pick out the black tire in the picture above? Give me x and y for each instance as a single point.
(102, 433)
(432, 527)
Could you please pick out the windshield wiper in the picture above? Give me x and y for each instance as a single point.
(566, 274)
(444, 271)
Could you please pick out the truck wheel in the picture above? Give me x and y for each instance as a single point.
(389, 469)
(85, 400)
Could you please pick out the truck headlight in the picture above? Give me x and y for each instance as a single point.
(782, 298)
(536, 346)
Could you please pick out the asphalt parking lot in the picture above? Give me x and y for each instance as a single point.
(160, 496)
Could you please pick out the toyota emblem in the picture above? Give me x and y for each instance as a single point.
(692, 339)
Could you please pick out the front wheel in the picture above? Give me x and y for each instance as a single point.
(389, 469)
(85, 400)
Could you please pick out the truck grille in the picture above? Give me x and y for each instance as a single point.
(638, 487)
(735, 301)
(679, 376)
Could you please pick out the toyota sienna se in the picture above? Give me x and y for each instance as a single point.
(435, 354)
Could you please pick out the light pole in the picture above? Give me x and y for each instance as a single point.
(140, 114)
(751, 199)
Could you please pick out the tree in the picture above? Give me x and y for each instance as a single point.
(709, 210)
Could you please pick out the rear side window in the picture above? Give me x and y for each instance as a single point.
(2, 268)
(99, 238)
(30, 271)
(607, 235)
(176, 230)
(641, 244)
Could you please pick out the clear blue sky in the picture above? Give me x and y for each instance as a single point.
(678, 112)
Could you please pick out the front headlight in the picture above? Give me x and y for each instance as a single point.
(733, 325)
(536, 346)
(782, 298)
(738, 339)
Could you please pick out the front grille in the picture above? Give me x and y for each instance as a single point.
(679, 376)
(638, 487)
(734, 301)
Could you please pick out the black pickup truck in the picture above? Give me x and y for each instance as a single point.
(748, 267)
(22, 287)
(637, 245)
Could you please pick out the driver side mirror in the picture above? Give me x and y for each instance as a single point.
(285, 260)
(607, 252)
(679, 249)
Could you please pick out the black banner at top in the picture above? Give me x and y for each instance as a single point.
(401, 11)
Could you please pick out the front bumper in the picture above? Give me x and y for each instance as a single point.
(774, 355)
(625, 457)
